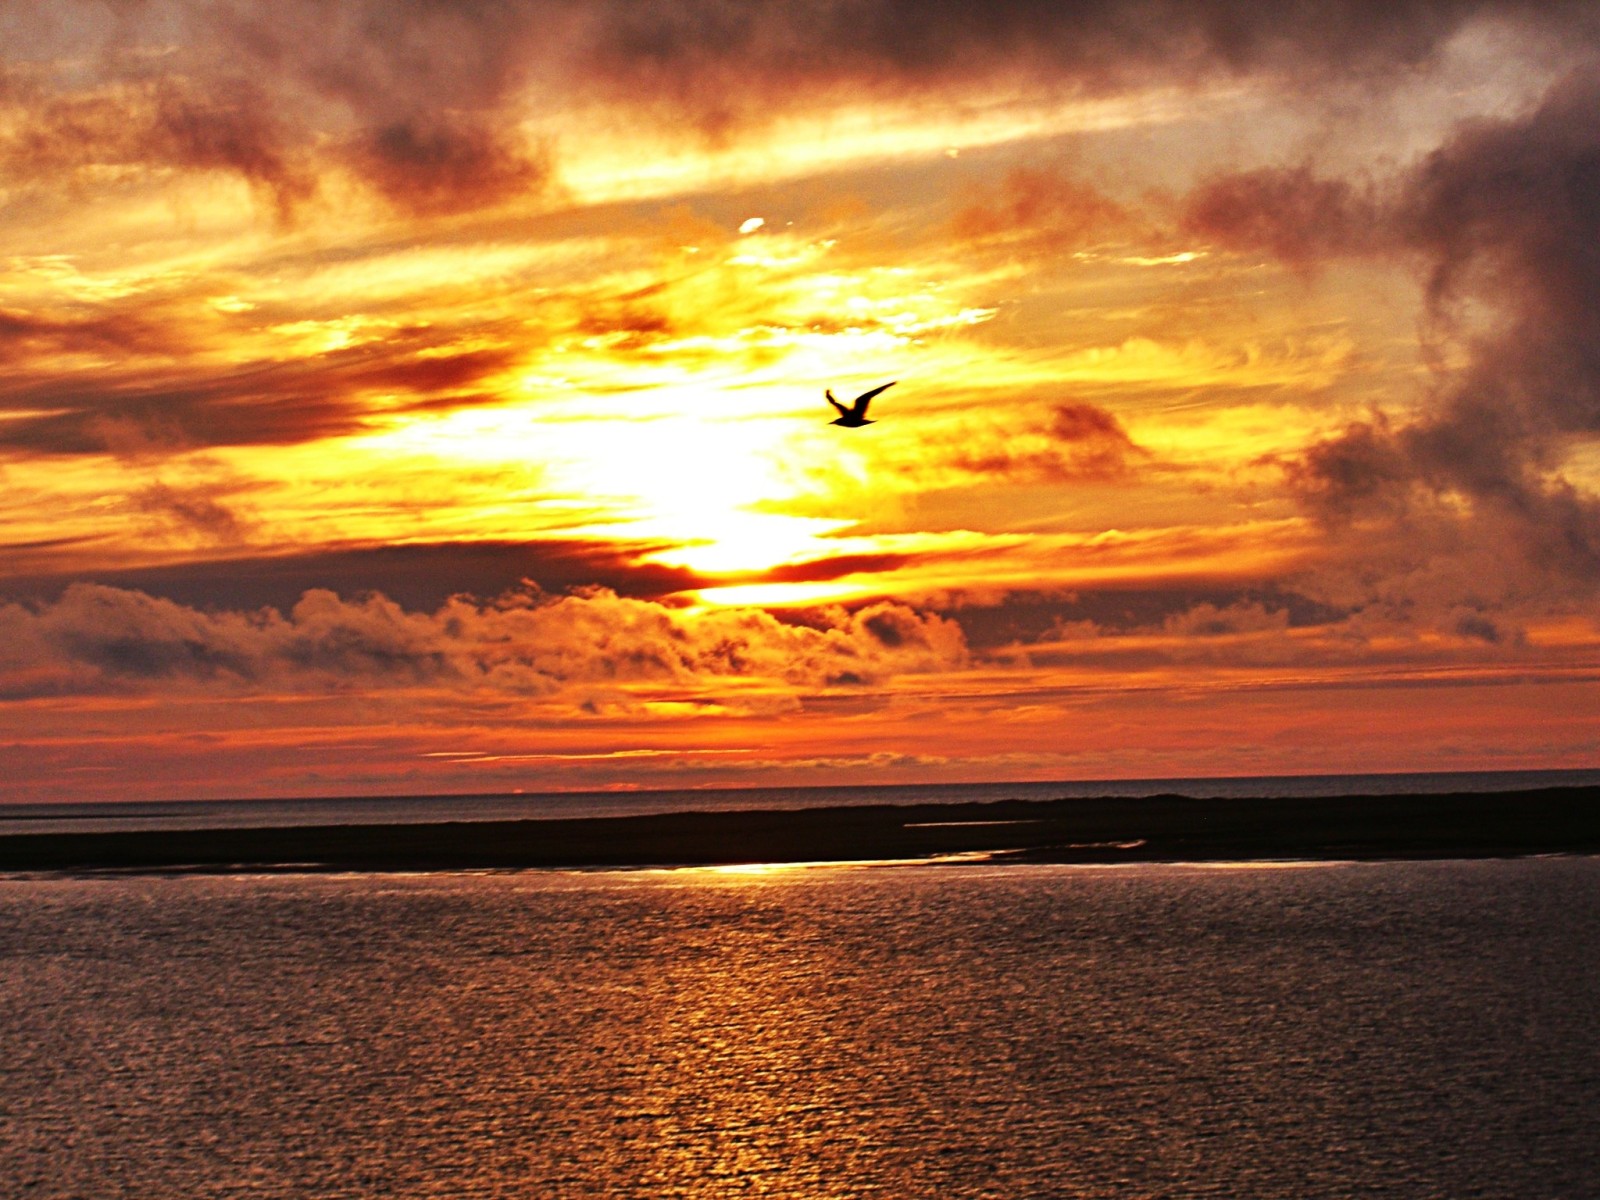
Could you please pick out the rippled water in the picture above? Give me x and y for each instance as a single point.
(1405, 1030)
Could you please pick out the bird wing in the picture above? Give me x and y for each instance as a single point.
(843, 411)
(861, 402)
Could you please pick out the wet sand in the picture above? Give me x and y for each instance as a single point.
(1107, 830)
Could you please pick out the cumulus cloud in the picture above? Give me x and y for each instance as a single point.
(96, 639)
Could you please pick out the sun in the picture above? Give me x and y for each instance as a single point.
(712, 486)
(705, 480)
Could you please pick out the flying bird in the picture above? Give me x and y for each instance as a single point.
(856, 415)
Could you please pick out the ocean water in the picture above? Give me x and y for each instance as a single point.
(1408, 1030)
(245, 813)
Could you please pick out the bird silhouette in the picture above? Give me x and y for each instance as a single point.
(856, 415)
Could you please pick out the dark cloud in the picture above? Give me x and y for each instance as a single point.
(1294, 215)
(431, 93)
(437, 372)
(273, 405)
(248, 106)
(1504, 218)
(1023, 618)
(448, 165)
(822, 569)
(120, 410)
(420, 576)
(1074, 442)
(201, 510)
(1508, 216)
(425, 100)
(227, 124)
(23, 333)
(712, 56)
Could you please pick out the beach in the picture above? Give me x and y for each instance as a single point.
(1159, 828)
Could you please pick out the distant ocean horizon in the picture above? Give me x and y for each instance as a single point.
(102, 816)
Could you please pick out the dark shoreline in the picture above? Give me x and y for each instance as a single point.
(1166, 828)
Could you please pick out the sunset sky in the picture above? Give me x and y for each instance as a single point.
(408, 396)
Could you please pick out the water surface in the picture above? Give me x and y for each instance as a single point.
(1404, 1030)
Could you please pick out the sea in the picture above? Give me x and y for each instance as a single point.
(1283, 1031)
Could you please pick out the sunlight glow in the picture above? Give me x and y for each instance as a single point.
(619, 160)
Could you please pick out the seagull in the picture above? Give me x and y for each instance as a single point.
(856, 415)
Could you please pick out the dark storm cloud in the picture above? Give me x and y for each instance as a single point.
(263, 405)
(1022, 618)
(447, 165)
(436, 373)
(818, 570)
(431, 92)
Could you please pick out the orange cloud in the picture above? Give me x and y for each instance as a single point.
(1045, 206)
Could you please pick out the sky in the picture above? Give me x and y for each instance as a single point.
(403, 396)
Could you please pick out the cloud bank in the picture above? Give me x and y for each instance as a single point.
(103, 640)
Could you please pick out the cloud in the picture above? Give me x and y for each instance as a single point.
(418, 576)
(429, 104)
(1047, 206)
(1294, 215)
(814, 570)
(198, 510)
(1268, 630)
(446, 165)
(721, 62)
(262, 405)
(249, 97)
(1504, 218)
(25, 333)
(227, 125)
(1508, 214)
(1071, 441)
(124, 405)
(95, 639)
